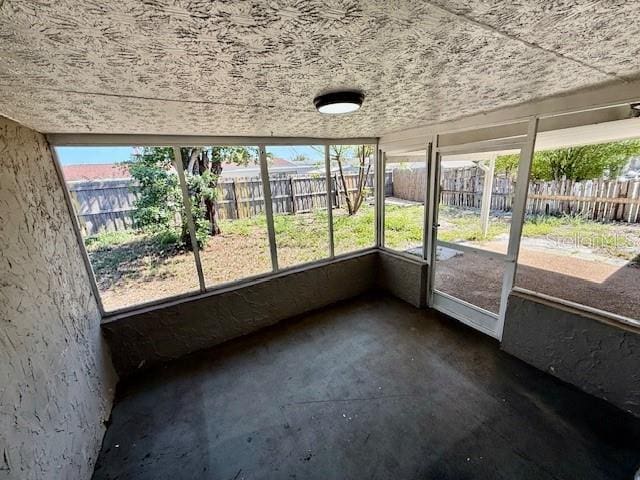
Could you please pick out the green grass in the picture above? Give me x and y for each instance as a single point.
(309, 231)
(403, 230)
(403, 226)
(459, 225)
(131, 254)
(353, 232)
(304, 237)
(107, 240)
(580, 231)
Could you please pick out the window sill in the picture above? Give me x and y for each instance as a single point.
(601, 316)
(227, 287)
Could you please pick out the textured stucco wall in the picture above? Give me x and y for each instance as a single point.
(167, 332)
(56, 379)
(403, 277)
(602, 359)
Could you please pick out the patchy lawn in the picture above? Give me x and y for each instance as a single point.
(135, 267)
(403, 225)
(586, 262)
(616, 240)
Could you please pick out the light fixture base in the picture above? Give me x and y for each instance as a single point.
(335, 103)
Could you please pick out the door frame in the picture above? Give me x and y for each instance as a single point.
(472, 315)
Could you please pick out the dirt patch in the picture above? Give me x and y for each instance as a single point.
(478, 280)
(471, 277)
(229, 257)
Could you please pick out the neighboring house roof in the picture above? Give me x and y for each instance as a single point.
(97, 171)
(105, 171)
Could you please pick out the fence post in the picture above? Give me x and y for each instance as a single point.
(293, 196)
(235, 197)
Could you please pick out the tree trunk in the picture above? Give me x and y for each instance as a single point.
(211, 211)
(344, 187)
(212, 217)
(362, 185)
(185, 237)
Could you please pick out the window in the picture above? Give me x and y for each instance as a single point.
(353, 172)
(297, 179)
(405, 190)
(581, 235)
(227, 203)
(128, 204)
(474, 221)
(140, 234)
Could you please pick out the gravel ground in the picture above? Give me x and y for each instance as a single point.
(600, 284)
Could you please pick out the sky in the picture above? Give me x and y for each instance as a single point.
(93, 155)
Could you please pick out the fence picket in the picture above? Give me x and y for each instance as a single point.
(598, 199)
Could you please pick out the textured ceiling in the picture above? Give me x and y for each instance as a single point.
(253, 67)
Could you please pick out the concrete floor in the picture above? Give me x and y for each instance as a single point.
(367, 389)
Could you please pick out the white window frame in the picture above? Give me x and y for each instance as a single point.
(176, 142)
(596, 114)
(431, 145)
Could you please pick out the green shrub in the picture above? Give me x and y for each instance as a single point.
(104, 240)
(167, 237)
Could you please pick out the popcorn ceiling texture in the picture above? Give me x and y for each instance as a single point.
(56, 378)
(253, 67)
(595, 32)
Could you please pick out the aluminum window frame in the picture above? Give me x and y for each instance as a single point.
(527, 145)
(598, 314)
(175, 142)
(425, 215)
(376, 200)
(104, 140)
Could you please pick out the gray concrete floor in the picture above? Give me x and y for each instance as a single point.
(367, 389)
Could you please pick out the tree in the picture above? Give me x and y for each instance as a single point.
(159, 200)
(202, 168)
(341, 154)
(583, 162)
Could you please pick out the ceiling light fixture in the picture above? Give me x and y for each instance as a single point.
(339, 102)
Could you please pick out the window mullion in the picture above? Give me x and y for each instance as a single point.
(268, 207)
(327, 168)
(186, 201)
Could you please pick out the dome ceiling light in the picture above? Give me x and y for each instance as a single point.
(335, 103)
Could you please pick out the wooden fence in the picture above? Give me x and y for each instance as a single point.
(103, 205)
(463, 187)
(600, 200)
(409, 184)
(109, 205)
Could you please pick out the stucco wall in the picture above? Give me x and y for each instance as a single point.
(602, 359)
(166, 332)
(56, 379)
(403, 277)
